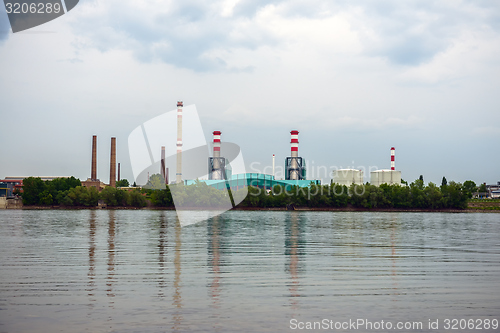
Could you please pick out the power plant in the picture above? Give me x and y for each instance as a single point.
(385, 176)
(219, 168)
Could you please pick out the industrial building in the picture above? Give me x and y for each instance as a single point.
(384, 176)
(220, 174)
(9, 185)
(348, 177)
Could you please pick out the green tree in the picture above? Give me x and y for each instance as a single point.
(469, 187)
(339, 195)
(32, 190)
(162, 198)
(82, 196)
(482, 188)
(136, 199)
(418, 198)
(433, 196)
(108, 195)
(122, 183)
(444, 182)
(46, 198)
(457, 198)
(156, 182)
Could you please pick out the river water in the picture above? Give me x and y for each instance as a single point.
(246, 271)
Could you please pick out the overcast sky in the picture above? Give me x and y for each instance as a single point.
(354, 77)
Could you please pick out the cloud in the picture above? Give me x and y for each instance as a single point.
(201, 36)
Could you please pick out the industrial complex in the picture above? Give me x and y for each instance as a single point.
(219, 172)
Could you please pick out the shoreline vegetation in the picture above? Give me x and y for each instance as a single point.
(67, 193)
(297, 209)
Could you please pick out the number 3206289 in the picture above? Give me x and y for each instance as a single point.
(33, 8)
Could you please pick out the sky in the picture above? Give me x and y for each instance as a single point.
(354, 77)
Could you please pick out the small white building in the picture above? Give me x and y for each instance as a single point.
(390, 177)
(348, 176)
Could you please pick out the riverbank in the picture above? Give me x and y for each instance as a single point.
(302, 209)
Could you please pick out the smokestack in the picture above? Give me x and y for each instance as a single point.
(393, 156)
(112, 164)
(118, 171)
(294, 144)
(217, 174)
(93, 170)
(217, 143)
(162, 166)
(273, 164)
(178, 175)
(166, 176)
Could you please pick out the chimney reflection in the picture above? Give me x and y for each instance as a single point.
(161, 253)
(394, 272)
(111, 256)
(91, 273)
(214, 258)
(177, 298)
(292, 253)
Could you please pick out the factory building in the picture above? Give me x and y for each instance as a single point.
(390, 177)
(348, 177)
(221, 177)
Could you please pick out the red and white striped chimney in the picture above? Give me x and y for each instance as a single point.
(217, 143)
(294, 143)
(217, 173)
(393, 157)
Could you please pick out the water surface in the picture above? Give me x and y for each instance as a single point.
(140, 271)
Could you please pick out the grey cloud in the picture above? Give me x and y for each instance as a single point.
(408, 33)
(414, 34)
(179, 36)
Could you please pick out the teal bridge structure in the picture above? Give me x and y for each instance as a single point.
(263, 181)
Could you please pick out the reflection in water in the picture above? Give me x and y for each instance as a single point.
(161, 253)
(214, 253)
(214, 259)
(394, 272)
(293, 239)
(111, 256)
(437, 265)
(177, 302)
(91, 273)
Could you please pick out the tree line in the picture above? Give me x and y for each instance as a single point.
(415, 196)
(69, 192)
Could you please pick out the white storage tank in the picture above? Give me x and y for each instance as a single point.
(390, 177)
(348, 176)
